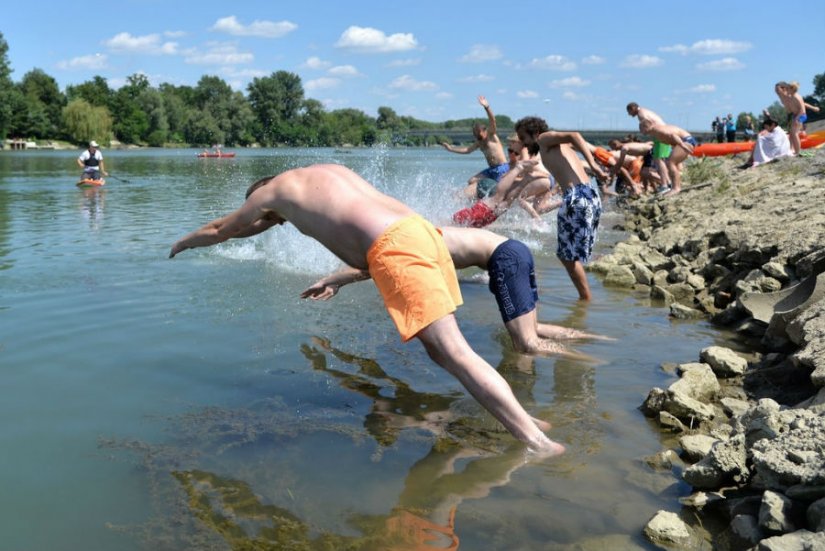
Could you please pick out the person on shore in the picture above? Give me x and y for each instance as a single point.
(719, 128)
(510, 266)
(682, 143)
(91, 161)
(747, 128)
(486, 210)
(406, 258)
(488, 142)
(772, 143)
(628, 167)
(791, 99)
(578, 217)
(730, 128)
(660, 151)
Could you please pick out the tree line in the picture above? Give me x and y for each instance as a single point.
(274, 111)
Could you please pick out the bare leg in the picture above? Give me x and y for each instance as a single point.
(447, 347)
(575, 270)
(663, 172)
(674, 167)
(558, 332)
(796, 145)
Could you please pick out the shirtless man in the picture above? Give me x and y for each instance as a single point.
(682, 143)
(537, 197)
(633, 158)
(485, 211)
(367, 230)
(661, 151)
(512, 281)
(487, 141)
(578, 218)
(791, 99)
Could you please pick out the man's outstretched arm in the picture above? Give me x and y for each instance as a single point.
(246, 221)
(327, 287)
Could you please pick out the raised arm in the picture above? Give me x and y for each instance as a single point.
(327, 287)
(491, 127)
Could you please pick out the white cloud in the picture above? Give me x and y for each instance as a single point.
(174, 34)
(703, 88)
(711, 46)
(147, 44)
(724, 64)
(218, 54)
(641, 61)
(369, 40)
(404, 62)
(553, 62)
(265, 29)
(593, 60)
(92, 61)
(315, 62)
(406, 82)
(236, 73)
(344, 71)
(572, 96)
(527, 94)
(480, 53)
(570, 82)
(476, 78)
(322, 83)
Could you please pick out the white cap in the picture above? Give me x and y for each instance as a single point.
(92, 143)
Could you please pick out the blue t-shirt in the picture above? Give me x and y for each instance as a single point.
(730, 125)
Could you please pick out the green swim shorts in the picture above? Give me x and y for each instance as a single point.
(661, 150)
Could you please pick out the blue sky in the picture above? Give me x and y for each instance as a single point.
(577, 64)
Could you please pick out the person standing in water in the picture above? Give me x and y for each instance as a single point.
(406, 258)
(489, 143)
(578, 218)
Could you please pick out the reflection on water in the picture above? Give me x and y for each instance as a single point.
(228, 412)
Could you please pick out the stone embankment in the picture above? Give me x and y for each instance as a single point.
(744, 249)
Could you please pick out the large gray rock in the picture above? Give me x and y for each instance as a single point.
(666, 528)
(687, 409)
(795, 456)
(801, 540)
(774, 514)
(743, 532)
(816, 516)
(725, 463)
(808, 330)
(696, 446)
(697, 381)
(724, 361)
(619, 276)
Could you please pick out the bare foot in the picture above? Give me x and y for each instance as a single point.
(549, 448)
(544, 426)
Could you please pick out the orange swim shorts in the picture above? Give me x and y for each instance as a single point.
(603, 156)
(414, 273)
(636, 170)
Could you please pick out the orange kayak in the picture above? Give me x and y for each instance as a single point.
(814, 139)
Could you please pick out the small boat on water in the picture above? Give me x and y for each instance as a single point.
(216, 154)
(86, 182)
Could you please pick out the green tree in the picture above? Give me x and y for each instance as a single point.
(276, 101)
(819, 87)
(45, 103)
(201, 129)
(130, 124)
(151, 103)
(85, 122)
(7, 89)
(777, 112)
(95, 92)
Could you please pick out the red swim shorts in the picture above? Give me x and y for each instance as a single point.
(477, 216)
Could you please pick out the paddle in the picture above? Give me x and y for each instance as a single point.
(124, 180)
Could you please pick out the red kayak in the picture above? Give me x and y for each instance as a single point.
(814, 139)
(216, 155)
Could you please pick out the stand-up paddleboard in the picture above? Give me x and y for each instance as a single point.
(216, 155)
(86, 182)
(814, 139)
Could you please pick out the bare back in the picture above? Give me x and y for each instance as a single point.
(648, 115)
(471, 246)
(333, 205)
(564, 164)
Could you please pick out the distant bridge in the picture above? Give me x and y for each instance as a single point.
(465, 135)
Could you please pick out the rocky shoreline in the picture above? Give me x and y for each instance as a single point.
(744, 249)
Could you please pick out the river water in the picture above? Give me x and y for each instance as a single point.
(200, 403)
